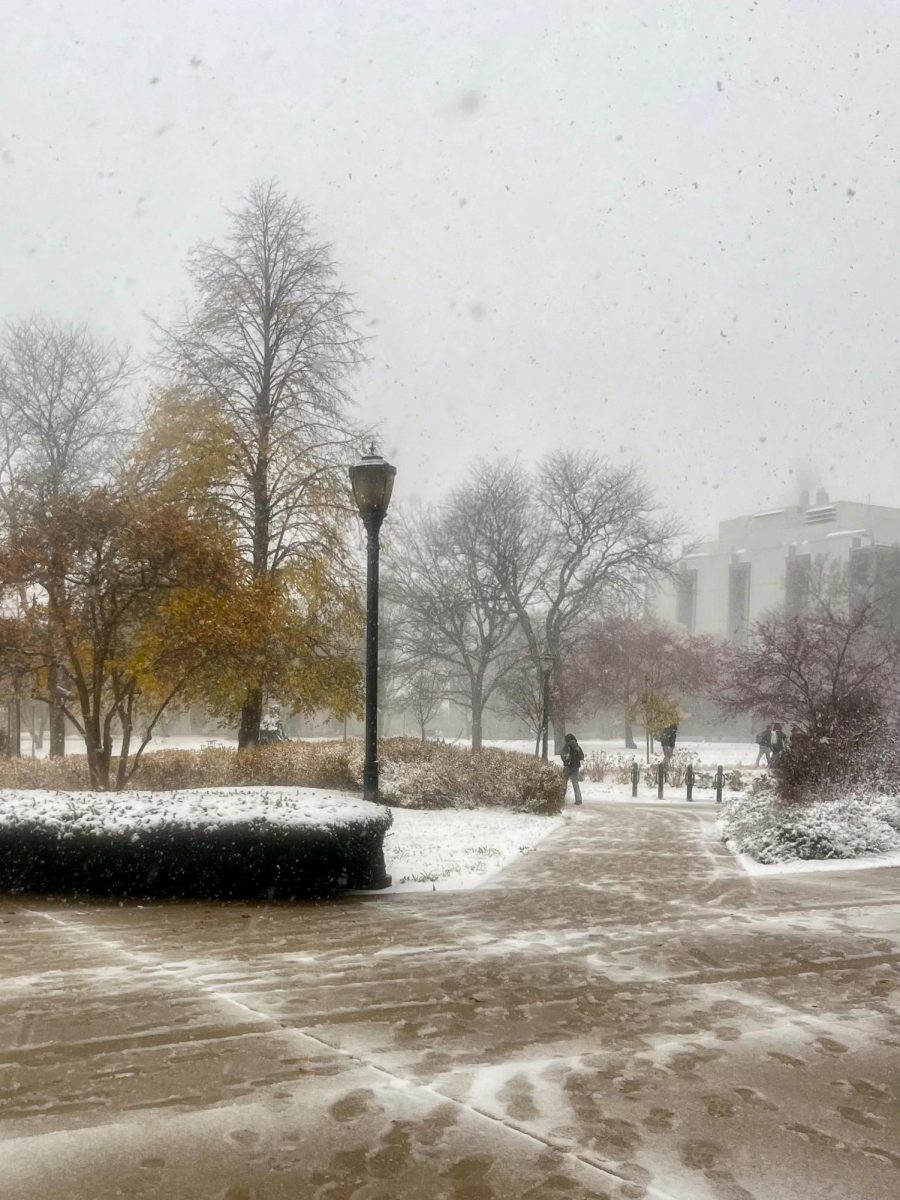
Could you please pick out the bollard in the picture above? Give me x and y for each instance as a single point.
(660, 779)
(720, 782)
(689, 781)
(635, 776)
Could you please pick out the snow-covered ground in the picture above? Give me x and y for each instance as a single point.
(801, 865)
(610, 790)
(712, 754)
(458, 848)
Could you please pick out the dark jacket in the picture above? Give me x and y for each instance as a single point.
(667, 737)
(572, 756)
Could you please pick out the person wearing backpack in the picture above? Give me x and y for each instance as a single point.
(572, 757)
(764, 741)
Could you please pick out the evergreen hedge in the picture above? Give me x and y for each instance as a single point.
(260, 847)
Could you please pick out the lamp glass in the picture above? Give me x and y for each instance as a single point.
(372, 480)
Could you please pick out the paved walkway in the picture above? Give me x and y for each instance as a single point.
(624, 1015)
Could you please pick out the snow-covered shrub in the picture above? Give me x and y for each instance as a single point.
(843, 746)
(600, 764)
(675, 769)
(282, 764)
(414, 774)
(50, 773)
(222, 843)
(772, 830)
(436, 775)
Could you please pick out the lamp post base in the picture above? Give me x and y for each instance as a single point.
(370, 783)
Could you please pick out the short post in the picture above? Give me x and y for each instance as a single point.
(720, 783)
(689, 781)
(660, 779)
(635, 776)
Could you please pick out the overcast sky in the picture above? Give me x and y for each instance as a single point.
(658, 230)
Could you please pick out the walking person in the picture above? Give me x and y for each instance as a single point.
(779, 744)
(572, 757)
(764, 741)
(667, 740)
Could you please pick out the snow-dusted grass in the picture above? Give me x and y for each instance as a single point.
(710, 754)
(770, 831)
(455, 849)
(609, 789)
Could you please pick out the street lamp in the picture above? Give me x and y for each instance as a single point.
(372, 480)
(546, 668)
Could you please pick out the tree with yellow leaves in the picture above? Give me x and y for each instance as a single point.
(260, 369)
(106, 571)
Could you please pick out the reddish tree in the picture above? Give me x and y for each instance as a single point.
(621, 659)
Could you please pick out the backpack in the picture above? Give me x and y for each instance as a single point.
(572, 756)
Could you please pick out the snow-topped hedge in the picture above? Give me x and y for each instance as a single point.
(774, 831)
(226, 843)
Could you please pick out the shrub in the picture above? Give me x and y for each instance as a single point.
(435, 775)
(413, 774)
(51, 774)
(839, 747)
(223, 844)
(772, 830)
(675, 770)
(598, 764)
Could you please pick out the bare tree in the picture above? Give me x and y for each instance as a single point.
(577, 538)
(454, 616)
(61, 425)
(522, 696)
(810, 670)
(422, 691)
(271, 343)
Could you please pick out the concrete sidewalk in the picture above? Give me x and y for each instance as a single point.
(624, 1014)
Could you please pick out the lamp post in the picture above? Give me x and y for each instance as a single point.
(372, 480)
(546, 668)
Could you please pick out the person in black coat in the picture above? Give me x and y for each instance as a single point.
(572, 757)
(667, 740)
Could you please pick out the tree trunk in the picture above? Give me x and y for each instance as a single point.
(477, 711)
(122, 770)
(558, 719)
(57, 716)
(630, 743)
(251, 716)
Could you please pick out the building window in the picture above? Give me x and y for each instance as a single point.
(796, 584)
(686, 600)
(738, 600)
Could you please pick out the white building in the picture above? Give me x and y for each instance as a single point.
(762, 562)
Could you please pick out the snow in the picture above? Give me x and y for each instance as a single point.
(712, 754)
(609, 790)
(435, 849)
(455, 849)
(865, 862)
(199, 808)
